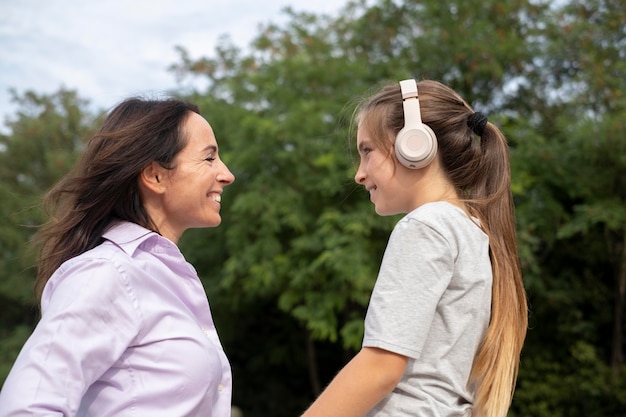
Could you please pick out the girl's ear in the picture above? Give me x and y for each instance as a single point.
(151, 177)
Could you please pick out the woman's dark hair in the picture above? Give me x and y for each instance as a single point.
(479, 169)
(103, 185)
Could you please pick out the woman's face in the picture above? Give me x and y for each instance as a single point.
(193, 187)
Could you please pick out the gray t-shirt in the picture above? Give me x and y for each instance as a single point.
(432, 303)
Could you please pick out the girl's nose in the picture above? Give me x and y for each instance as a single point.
(359, 177)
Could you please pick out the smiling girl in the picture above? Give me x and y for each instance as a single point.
(448, 314)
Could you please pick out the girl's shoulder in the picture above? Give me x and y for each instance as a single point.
(446, 219)
(436, 212)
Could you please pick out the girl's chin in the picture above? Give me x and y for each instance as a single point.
(381, 211)
(387, 211)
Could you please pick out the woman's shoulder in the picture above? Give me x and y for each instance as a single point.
(99, 271)
(94, 277)
(104, 259)
(105, 253)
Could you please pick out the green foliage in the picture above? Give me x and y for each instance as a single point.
(586, 386)
(313, 246)
(45, 137)
(305, 224)
(290, 270)
(572, 215)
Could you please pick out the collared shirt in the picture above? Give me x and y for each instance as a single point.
(126, 330)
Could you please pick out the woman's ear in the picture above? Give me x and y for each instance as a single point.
(151, 177)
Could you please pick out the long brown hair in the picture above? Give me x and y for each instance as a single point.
(103, 185)
(479, 169)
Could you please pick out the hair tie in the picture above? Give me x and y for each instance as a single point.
(477, 122)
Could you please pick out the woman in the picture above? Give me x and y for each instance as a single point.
(448, 316)
(126, 328)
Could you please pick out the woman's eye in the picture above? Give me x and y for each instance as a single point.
(210, 159)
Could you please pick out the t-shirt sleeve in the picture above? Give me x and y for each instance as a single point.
(90, 317)
(415, 271)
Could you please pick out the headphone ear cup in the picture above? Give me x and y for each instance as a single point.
(416, 146)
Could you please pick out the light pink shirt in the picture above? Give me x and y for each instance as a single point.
(126, 330)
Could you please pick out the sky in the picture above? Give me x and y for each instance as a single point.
(108, 50)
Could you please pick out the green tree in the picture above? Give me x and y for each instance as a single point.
(290, 269)
(571, 157)
(296, 235)
(44, 137)
(297, 229)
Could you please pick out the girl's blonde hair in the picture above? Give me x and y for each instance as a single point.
(479, 169)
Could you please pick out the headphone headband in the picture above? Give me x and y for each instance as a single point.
(416, 144)
(410, 103)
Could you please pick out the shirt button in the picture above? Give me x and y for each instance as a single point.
(220, 387)
(206, 331)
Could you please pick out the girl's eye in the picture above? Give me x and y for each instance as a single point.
(366, 150)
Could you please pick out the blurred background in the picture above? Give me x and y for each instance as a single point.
(290, 270)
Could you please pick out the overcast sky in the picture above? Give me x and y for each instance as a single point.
(110, 49)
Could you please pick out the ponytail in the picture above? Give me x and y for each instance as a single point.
(475, 155)
(495, 368)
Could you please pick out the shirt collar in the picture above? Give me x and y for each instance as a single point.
(128, 235)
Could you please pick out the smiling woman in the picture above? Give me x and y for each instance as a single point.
(126, 327)
(189, 193)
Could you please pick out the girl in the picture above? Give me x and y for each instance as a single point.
(448, 316)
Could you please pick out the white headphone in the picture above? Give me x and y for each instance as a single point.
(416, 143)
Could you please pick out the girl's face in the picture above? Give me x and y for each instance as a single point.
(388, 182)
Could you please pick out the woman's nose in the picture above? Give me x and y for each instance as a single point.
(226, 176)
